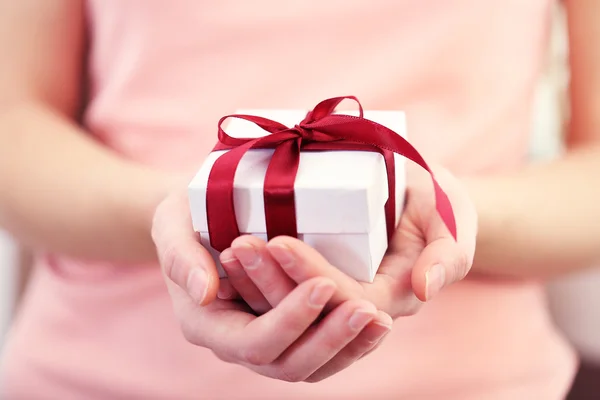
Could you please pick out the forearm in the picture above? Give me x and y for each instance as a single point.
(62, 192)
(541, 221)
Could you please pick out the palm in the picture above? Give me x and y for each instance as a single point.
(392, 288)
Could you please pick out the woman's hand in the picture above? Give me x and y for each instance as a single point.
(422, 258)
(291, 341)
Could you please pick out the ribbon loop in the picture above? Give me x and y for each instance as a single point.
(320, 130)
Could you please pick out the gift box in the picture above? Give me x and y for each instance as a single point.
(324, 177)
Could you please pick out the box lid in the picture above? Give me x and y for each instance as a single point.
(335, 191)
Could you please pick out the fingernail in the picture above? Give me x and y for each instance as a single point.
(384, 319)
(435, 279)
(227, 256)
(247, 255)
(376, 335)
(360, 319)
(228, 260)
(197, 284)
(321, 294)
(225, 292)
(282, 254)
(382, 325)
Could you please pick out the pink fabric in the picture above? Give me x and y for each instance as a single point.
(162, 73)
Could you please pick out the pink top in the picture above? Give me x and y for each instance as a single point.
(163, 73)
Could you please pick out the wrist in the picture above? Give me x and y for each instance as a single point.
(486, 195)
(145, 190)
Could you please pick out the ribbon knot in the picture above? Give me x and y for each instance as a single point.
(305, 134)
(320, 130)
(309, 135)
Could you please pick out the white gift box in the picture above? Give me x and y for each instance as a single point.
(339, 195)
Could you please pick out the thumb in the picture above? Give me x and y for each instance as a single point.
(184, 261)
(445, 260)
(441, 263)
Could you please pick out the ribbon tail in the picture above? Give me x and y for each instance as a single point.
(279, 203)
(390, 204)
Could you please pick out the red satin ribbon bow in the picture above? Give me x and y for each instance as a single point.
(320, 130)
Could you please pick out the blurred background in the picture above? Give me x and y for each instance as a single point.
(572, 299)
(8, 279)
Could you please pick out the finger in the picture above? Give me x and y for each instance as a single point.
(215, 326)
(302, 262)
(367, 341)
(184, 261)
(324, 341)
(268, 336)
(262, 269)
(383, 326)
(226, 290)
(445, 260)
(240, 281)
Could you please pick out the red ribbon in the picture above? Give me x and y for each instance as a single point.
(320, 130)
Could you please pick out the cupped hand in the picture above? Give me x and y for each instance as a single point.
(422, 258)
(291, 340)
